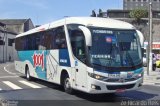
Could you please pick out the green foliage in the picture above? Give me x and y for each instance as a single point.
(138, 14)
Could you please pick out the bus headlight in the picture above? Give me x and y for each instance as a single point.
(139, 75)
(99, 77)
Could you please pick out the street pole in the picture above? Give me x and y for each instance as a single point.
(6, 42)
(3, 41)
(150, 62)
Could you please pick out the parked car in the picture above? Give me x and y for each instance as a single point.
(158, 63)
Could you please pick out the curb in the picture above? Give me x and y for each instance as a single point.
(150, 83)
(157, 84)
(158, 78)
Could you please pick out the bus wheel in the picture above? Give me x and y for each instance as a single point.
(67, 85)
(28, 77)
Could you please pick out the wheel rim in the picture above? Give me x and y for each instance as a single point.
(27, 74)
(67, 84)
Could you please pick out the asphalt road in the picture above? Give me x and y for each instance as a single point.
(16, 90)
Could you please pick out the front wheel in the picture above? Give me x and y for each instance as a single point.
(67, 85)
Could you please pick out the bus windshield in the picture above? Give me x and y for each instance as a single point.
(115, 48)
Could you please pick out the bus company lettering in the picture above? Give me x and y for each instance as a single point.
(38, 60)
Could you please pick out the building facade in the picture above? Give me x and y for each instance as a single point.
(125, 14)
(132, 4)
(18, 25)
(9, 28)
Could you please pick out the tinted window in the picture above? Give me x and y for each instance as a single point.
(115, 48)
(51, 39)
(60, 39)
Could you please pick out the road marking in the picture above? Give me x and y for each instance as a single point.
(10, 84)
(29, 84)
(9, 77)
(9, 71)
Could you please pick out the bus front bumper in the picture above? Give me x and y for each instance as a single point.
(98, 87)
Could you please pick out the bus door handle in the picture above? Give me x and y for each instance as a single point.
(76, 70)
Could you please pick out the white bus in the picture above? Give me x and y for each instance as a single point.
(90, 54)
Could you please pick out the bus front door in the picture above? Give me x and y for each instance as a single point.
(81, 76)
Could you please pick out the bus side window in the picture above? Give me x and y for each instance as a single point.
(48, 40)
(60, 39)
(52, 39)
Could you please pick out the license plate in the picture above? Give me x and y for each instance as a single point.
(120, 90)
(113, 75)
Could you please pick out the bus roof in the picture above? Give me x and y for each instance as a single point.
(86, 21)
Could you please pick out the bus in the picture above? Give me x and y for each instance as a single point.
(89, 54)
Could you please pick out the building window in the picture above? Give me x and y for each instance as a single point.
(2, 42)
(10, 42)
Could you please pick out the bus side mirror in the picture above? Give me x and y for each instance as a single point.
(87, 34)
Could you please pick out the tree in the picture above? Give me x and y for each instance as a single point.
(138, 14)
(100, 13)
(93, 13)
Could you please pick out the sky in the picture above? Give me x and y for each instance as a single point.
(45, 11)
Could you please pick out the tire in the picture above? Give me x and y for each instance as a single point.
(28, 77)
(67, 86)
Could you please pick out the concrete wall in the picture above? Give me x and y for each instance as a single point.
(132, 4)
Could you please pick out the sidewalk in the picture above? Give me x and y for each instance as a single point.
(153, 78)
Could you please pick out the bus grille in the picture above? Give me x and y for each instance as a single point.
(114, 87)
(118, 80)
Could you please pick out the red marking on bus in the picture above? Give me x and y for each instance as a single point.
(38, 60)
